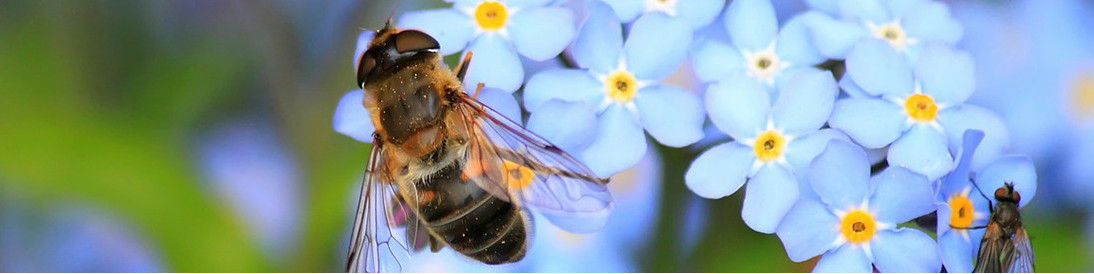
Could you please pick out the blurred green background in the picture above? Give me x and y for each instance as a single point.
(119, 110)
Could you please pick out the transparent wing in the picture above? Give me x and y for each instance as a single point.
(1021, 259)
(517, 165)
(990, 259)
(374, 241)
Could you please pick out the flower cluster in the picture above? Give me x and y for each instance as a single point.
(846, 122)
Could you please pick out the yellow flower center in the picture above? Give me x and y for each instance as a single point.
(769, 145)
(920, 107)
(621, 86)
(491, 15)
(858, 226)
(961, 211)
(893, 34)
(1082, 96)
(517, 176)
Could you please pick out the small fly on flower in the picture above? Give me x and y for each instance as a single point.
(1005, 246)
(450, 170)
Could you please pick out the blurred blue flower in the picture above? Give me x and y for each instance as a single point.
(960, 204)
(247, 168)
(854, 221)
(496, 31)
(697, 13)
(619, 82)
(759, 49)
(772, 144)
(919, 111)
(70, 238)
(905, 25)
(353, 120)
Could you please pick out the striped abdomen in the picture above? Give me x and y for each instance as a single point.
(470, 220)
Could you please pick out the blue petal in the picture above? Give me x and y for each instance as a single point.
(751, 24)
(568, 125)
(794, 42)
(1014, 169)
(874, 123)
(768, 196)
(656, 46)
(716, 61)
(626, 10)
(879, 69)
(851, 89)
(869, 10)
(955, 251)
(452, 28)
(840, 175)
(542, 33)
(671, 115)
(619, 144)
(946, 74)
(808, 230)
(923, 150)
(739, 106)
(801, 151)
(898, 8)
(494, 64)
(956, 120)
(931, 22)
(827, 6)
(502, 102)
(805, 102)
(845, 259)
(834, 38)
(890, 249)
(698, 13)
(720, 170)
(362, 45)
(901, 195)
(351, 118)
(572, 85)
(600, 40)
(959, 178)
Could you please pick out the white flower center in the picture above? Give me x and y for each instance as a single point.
(666, 6)
(764, 65)
(892, 33)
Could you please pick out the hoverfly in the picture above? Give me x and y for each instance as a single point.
(1005, 246)
(449, 170)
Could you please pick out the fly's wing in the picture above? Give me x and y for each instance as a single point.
(1020, 260)
(518, 166)
(374, 241)
(992, 255)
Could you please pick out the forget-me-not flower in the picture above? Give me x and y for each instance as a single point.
(919, 111)
(620, 81)
(759, 48)
(854, 221)
(772, 143)
(697, 13)
(962, 205)
(904, 25)
(496, 31)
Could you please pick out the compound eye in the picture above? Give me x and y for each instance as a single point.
(1001, 194)
(413, 40)
(364, 68)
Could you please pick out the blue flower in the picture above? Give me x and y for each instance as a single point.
(697, 13)
(919, 111)
(904, 25)
(772, 143)
(854, 221)
(496, 31)
(760, 50)
(960, 204)
(619, 82)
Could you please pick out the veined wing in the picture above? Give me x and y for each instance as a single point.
(991, 256)
(518, 165)
(1020, 260)
(374, 242)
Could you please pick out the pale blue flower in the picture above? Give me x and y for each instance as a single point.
(906, 25)
(619, 82)
(496, 32)
(917, 111)
(853, 222)
(773, 143)
(697, 13)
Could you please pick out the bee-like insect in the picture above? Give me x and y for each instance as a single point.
(1005, 246)
(449, 170)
